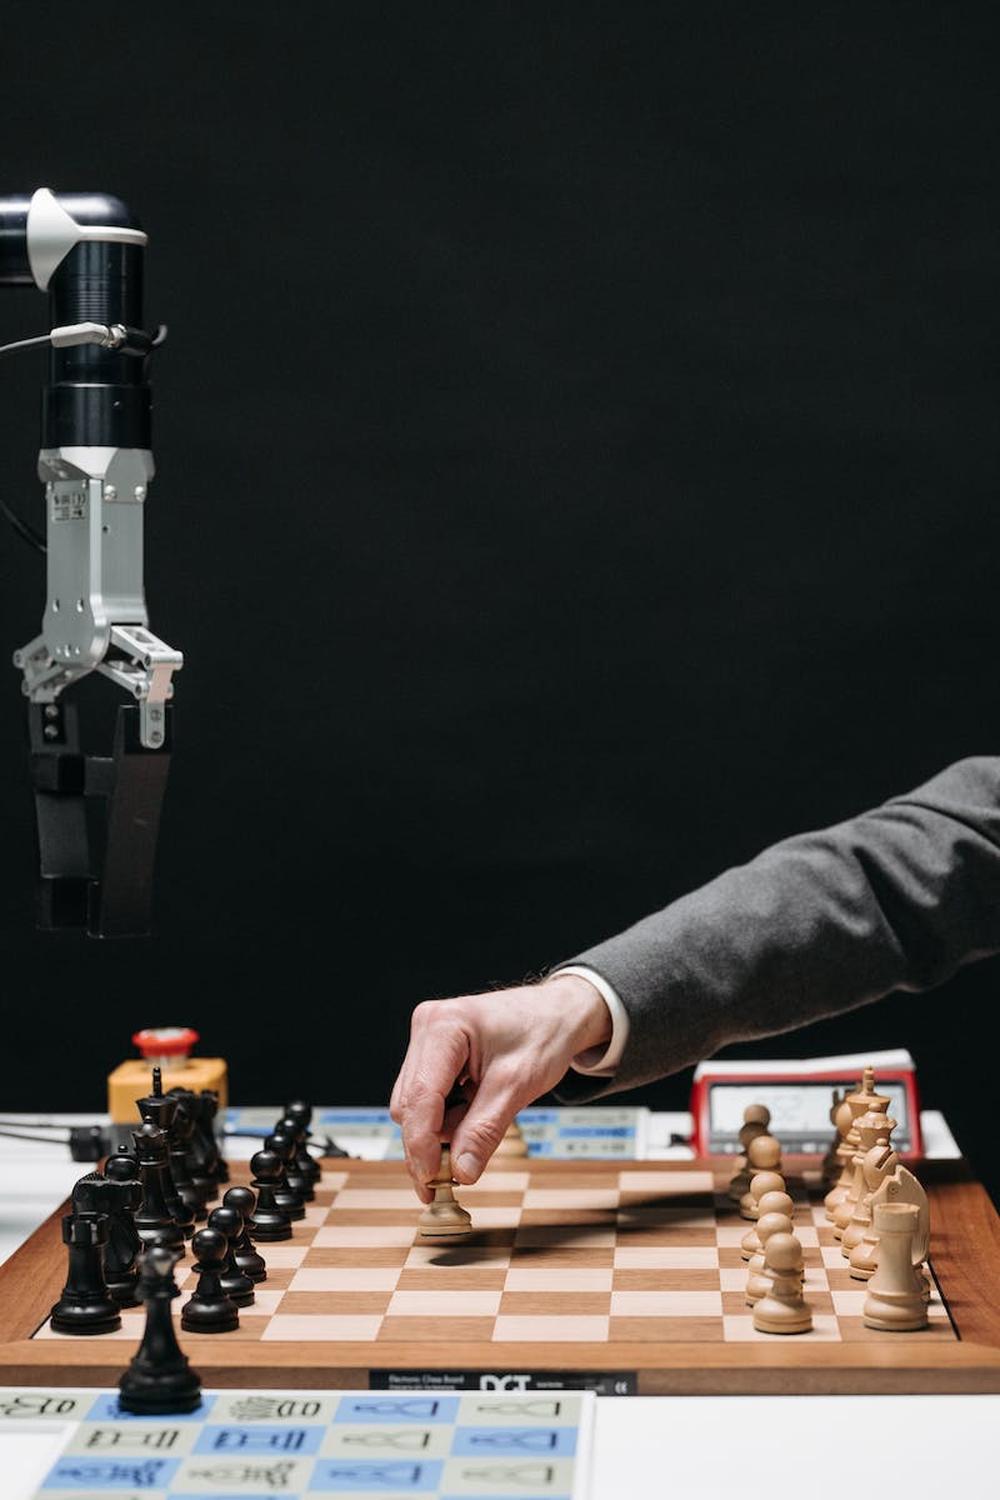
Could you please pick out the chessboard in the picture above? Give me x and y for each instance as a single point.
(305, 1443)
(622, 1278)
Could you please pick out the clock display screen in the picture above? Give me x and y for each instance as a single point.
(800, 1112)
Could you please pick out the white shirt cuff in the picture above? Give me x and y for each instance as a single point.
(602, 1062)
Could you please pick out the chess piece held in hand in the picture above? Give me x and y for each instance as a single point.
(445, 1218)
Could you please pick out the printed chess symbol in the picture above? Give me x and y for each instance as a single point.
(37, 1404)
(391, 1476)
(260, 1439)
(274, 1476)
(548, 1409)
(266, 1408)
(150, 1474)
(131, 1437)
(533, 1440)
(520, 1474)
(417, 1409)
(407, 1439)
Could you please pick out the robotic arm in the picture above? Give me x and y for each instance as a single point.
(86, 250)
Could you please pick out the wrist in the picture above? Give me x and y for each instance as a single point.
(585, 1010)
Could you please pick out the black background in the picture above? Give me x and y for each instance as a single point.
(577, 460)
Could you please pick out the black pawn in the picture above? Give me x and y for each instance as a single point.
(159, 1382)
(287, 1190)
(243, 1199)
(86, 1305)
(269, 1221)
(209, 1309)
(235, 1283)
(154, 1221)
(300, 1162)
(118, 1194)
(300, 1114)
(288, 1197)
(160, 1109)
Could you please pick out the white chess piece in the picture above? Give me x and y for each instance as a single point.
(895, 1300)
(445, 1218)
(871, 1129)
(863, 1099)
(764, 1159)
(756, 1119)
(758, 1281)
(512, 1142)
(783, 1309)
(774, 1202)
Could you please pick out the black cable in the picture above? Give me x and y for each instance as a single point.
(26, 532)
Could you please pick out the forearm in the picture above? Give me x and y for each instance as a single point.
(897, 898)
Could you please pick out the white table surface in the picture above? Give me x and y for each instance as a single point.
(657, 1447)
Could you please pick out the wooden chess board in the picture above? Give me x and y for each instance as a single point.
(627, 1277)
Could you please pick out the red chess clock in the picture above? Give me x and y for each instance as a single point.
(798, 1093)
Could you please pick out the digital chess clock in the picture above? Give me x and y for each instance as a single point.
(798, 1092)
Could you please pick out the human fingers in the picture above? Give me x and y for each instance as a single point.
(437, 1055)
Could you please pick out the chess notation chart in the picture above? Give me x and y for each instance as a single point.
(593, 1133)
(299, 1444)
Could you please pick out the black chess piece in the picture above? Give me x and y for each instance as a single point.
(117, 1194)
(85, 1305)
(160, 1109)
(197, 1172)
(269, 1221)
(180, 1154)
(209, 1309)
(210, 1108)
(236, 1284)
(284, 1194)
(204, 1158)
(153, 1219)
(290, 1193)
(250, 1262)
(159, 1382)
(300, 1115)
(300, 1164)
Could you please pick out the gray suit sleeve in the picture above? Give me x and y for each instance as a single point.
(897, 898)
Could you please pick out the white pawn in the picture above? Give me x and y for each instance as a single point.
(445, 1218)
(758, 1281)
(770, 1203)
(895, 1300)
(783, 1309)
(764, 1157)
(512, 1142)
(756, 1119)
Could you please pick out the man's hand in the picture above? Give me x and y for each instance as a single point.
(505, 1048)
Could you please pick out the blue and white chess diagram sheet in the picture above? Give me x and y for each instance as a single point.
(303, 1444)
